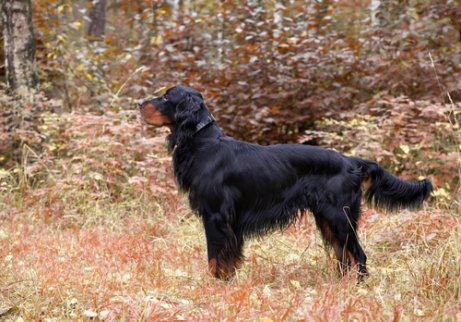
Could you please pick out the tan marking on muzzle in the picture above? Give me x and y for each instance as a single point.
(152, 116)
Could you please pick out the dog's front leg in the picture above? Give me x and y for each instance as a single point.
(224, 247)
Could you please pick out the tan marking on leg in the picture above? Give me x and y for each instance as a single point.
(213, 267)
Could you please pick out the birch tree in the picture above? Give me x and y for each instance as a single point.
(19, 46)
(375, 6)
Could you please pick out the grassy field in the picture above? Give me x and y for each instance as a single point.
(94, 228)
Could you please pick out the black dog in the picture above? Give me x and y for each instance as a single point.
(241, 189)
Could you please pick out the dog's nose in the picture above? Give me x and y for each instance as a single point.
(142, 101)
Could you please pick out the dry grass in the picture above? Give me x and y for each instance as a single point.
(96, 230)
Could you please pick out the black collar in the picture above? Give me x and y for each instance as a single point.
(202, 124)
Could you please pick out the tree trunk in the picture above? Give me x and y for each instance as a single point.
(97, 19)
(19, 46)
(376, 16)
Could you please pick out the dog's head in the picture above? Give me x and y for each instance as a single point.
(167, 109)
(182, 109)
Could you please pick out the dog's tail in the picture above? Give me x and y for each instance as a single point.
(387, 191)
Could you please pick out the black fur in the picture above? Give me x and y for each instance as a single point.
(242, 190)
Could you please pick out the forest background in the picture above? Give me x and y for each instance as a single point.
(92, 225)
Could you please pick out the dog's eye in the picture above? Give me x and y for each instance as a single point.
(164, 98)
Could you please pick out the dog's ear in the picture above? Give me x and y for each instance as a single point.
(187, 117)
(189, 104)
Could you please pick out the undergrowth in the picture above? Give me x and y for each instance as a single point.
(92, 227)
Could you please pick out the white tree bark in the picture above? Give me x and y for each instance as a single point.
(374, 10)
(19, 45)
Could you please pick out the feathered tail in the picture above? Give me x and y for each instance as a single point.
(390, 192)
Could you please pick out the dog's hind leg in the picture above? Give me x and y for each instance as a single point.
(224, 247)
(331, 239)
(338, 228)
(359, 256)
(352, 215)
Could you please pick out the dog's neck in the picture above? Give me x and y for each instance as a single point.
(209, 119)
(206, 127)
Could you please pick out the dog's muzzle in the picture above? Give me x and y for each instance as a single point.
(143, 101)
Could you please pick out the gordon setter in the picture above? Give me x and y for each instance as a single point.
(241, 189)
